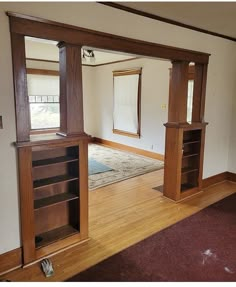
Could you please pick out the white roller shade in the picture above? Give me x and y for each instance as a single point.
(126, 103)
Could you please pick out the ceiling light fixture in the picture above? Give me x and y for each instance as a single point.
(89, 55)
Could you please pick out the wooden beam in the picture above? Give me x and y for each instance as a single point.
(41, 28)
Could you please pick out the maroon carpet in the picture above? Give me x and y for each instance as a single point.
(199, 248)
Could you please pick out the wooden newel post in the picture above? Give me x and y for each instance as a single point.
(71, 93)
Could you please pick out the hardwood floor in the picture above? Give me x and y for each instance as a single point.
(121, 215)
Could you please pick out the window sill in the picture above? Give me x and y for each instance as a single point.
(44, 131)
(128, 134)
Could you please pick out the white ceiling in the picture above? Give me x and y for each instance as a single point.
(218, 17)
(48, 50)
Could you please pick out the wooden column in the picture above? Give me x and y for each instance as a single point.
(20, 87)
(71, 94)
(199, 91)
(178, 92)
(27, 201)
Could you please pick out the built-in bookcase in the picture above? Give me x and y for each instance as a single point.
(184, 160)
(190, 159)
(54, 195)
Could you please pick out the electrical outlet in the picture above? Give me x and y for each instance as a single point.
(1, 125)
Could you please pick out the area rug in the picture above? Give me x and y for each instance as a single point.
(95, 167)
(198, 248)
(124, 165)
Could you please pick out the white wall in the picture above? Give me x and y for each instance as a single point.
(232, 150)
(220, 87)
(154, 93)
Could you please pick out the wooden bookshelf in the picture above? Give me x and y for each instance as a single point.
(51, 161)
(54, 195)
(53, 180)
(52, 200)
(183, 160)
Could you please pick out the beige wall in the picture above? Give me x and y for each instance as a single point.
(154, 93)
(220, 88)
(232, 149)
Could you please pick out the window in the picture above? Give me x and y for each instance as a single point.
(190, 100)
(126, 105)
(43, 92)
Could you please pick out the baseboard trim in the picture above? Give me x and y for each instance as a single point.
(206, 182)
(232, 176)
(10, 260)
(129, 148)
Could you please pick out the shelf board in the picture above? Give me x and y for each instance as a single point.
(53, 200)
(188, 170)
(55, 235)
(187, 186)
(51, 161)
(189, 154)
(53, 180)
(191, 142)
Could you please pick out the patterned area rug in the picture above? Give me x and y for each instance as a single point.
(123, 164)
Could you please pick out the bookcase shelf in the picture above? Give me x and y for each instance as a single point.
(51, 161)
(53, 180)
(51, 236)
(52, 200)
(188, 170)
(189, 154)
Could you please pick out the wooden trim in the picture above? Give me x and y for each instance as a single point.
(165, 20)
(206, 182)
(44, 131)
(26, 204)
(10, 260)
(127, 72)
(42, 60)
(231, 176)
(86, 65)
(123, 133)
(137, 71)
(42, 28)
(34, 71)
(113, 62)
(129, 148)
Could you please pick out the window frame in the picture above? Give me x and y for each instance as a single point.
(43, 72)
(127, 72)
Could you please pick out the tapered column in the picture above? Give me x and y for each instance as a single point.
(178, 92)
(71, 94)
(199, 92)
(20, 85)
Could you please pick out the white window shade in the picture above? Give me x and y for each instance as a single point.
(126, 101)
(42, 85)
(43, 92)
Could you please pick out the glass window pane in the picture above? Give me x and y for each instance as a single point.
(190, 100)
(44, 115)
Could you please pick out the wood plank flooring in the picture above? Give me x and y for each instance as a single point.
(121, 215)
